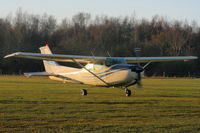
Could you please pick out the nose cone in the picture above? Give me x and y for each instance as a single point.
(134, 75)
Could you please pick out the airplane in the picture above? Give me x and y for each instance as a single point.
(120, 72)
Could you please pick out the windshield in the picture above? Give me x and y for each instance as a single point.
(111, 61)
(108, 62)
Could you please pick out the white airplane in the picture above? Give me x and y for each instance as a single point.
(98, 71)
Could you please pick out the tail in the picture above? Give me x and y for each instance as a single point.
(48, 65)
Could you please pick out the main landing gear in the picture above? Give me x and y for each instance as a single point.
(127, 92)
(83, 92)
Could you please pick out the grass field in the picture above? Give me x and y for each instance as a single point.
(41, 105)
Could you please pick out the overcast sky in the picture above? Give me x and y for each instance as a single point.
(172, 9)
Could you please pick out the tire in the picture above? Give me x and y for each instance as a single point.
(83, 92)
(128, 92)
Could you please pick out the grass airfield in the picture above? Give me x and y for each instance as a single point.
(38, 104)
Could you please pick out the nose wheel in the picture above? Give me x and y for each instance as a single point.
(127, 92)
(83, 92)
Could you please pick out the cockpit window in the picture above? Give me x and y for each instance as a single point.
(111, 61)
(98, 67)
(108, 62)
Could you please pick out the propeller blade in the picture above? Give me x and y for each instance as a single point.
(139, 84)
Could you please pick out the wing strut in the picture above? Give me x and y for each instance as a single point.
(90, 72)
(147, 64)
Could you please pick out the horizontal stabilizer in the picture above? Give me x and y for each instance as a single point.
(39, 74)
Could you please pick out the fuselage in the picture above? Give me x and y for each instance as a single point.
(114, 75)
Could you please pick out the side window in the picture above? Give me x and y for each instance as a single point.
(98, 67)
(90, 67)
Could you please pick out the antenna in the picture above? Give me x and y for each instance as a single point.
(137, 52)
(108, 54)
(92, 53)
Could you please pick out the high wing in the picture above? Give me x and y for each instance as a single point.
(57, 57)
(93, 59)
(158, 59)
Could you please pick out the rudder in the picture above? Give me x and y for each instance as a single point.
(48, 65)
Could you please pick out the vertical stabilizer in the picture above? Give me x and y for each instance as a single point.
(48, 65)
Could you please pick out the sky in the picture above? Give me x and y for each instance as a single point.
(172, 9)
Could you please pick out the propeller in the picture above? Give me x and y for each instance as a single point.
(139, 68)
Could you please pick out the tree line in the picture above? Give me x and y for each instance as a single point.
(99, 36)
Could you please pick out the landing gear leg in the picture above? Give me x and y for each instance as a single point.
(83, 92)
(127, 92)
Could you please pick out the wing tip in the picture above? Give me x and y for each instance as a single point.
(11, 55)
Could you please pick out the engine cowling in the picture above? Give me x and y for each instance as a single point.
(138, 69)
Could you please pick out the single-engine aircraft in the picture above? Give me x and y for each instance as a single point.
(98, 71)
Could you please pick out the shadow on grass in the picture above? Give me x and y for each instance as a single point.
(63, 102)
(29, 82)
